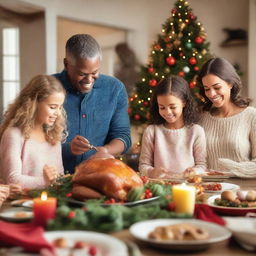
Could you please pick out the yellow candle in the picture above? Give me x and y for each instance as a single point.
(184, 198)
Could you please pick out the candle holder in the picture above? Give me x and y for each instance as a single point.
(184, 197)
(44, 208)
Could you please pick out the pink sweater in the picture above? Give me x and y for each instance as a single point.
(22, 161)
(173, 150)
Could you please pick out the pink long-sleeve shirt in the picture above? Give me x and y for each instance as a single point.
(174, 150)
(22, 161)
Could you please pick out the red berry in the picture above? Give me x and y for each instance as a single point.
(171, 206)
(144, 179)
(68, 194)
(71, 214)
(92, 250)
(80, 245)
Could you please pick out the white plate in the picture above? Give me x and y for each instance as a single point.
(142, 229)
(224, 186)
(19, 202)
(243, 229)
(229, 210)
(109, 245)
(16, 214)
(28, 204)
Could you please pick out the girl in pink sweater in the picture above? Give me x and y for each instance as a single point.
(31, 134)
(172, 144)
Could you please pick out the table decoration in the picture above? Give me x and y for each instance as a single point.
(44, 208)
(184, 198)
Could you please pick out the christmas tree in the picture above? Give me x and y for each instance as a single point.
(181, 49)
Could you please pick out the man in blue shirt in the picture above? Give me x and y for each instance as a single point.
(96, 105)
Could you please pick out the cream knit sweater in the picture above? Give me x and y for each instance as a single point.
(231, 142)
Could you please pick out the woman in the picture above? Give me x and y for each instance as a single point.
(229, 122)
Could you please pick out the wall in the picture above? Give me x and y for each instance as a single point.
(108, 38)
(32, 43)
(142, 19)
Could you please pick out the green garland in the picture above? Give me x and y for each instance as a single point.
(111, 218)
(95, 216)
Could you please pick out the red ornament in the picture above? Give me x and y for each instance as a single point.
(169, 45)
(157, 47)
(167, 39)
(191, 16)
(153, 82)
(192, 61)
(174, 11)
(199, 40)
(192, 84)
(129, 111)
(196, 68)
(137, 117)
(181, 73)
(181, 54)
(145, 103)
(151, 69)
(171, 61)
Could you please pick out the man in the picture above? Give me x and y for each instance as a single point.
(96, 105)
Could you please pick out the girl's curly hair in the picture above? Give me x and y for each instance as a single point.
(178, 87)
(224, 70)
(22, 112)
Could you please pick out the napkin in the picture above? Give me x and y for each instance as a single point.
(25, 235)
(204, 212)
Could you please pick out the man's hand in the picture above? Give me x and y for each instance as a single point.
(80, 145)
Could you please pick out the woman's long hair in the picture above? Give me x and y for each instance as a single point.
(224, 70)
(22, 112)
(177, 86)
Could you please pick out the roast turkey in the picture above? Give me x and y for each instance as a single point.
(96, 177)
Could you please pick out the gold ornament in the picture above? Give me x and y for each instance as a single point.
(180, 35)
(177, 42)
(182, 25)
(204, 52)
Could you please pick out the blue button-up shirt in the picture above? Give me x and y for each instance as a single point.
(100, 116)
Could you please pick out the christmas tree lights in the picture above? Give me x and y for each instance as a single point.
(180, 49)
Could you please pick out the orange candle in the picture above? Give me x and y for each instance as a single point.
(44, 208)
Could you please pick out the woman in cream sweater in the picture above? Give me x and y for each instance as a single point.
(229, 122)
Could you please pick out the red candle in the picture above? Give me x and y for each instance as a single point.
(44, 209)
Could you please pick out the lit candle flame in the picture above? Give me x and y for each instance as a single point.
(44, 196)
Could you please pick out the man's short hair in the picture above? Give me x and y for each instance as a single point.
(83, 46)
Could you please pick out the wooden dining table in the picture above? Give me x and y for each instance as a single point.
(227, 248)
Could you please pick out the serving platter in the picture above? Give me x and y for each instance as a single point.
(225, 210)
(141, 230)
(130, 204)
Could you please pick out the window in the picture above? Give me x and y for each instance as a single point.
(10, 65)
